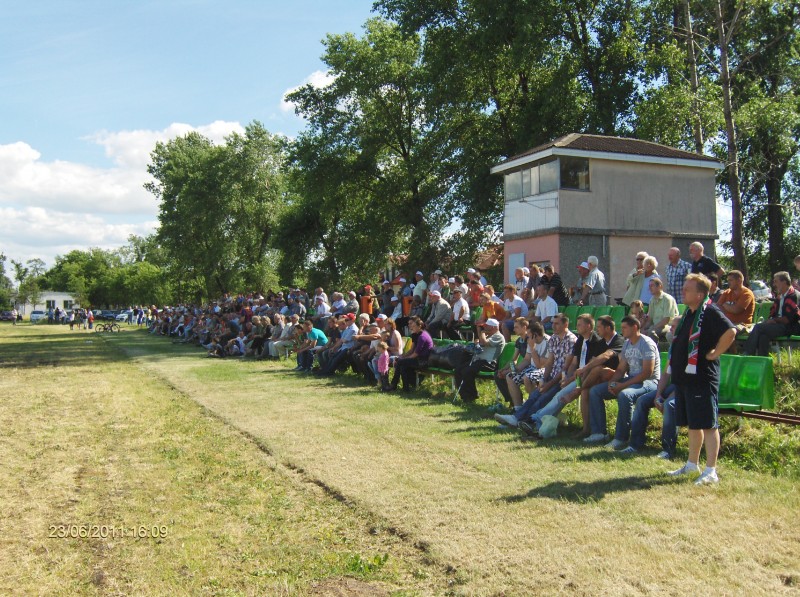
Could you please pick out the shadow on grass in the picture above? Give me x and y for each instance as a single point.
(50, 350)
(588, 491)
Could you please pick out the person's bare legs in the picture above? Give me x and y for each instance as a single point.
(514, 391)
(711, 440)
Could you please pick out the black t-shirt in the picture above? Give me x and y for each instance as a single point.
(596, 346)
(560, 293)
(714, 325)
(616, 343)
(705, 265)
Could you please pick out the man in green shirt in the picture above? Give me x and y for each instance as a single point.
(662, 310)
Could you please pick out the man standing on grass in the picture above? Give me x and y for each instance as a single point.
(703, 334)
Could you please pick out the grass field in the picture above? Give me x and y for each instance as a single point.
(269, 482)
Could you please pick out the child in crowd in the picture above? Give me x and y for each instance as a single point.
(383, 365)
(215, 349)
(637, 309)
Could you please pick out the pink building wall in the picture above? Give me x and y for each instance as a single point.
(539, 248)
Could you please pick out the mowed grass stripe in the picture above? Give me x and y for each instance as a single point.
(507, 516)
(90, 437)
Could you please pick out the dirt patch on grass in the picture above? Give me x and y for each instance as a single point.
(347, 587)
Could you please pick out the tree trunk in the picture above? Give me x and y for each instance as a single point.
(732, 167)
(776, 228)
(697, 125)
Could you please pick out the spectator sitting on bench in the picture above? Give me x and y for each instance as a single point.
(491, 342)
(662, 310)
(531, 372)
(406, 366)
(514, 307)
(459, 315)
(598, 370)
(339, 349)
(638, 373)
(439, 315)
(737, 302)
(663, 399)
(546, 309)
(587, 348)
(504, 376)
(559, 346)
(784, 317)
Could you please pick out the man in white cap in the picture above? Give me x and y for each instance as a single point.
(397, 313)
(420, 286)
(322, 312)
(583, 275)
(404, 288)
(352, 303)
(439, 315)
(491, 342)
(459, 315)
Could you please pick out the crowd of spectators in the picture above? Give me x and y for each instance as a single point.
(365, 330)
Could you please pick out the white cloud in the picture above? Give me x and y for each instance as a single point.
(52, 207)
(132, 149)
(318, 79)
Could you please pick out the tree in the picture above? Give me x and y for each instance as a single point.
(218, 208)
(5, 284)
(376, 116)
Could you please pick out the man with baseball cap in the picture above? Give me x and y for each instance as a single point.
(459, 315)
(348, 329)
(420, 286)
(491, 342)
(439, 315)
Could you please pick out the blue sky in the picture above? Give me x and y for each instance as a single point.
(88, 87)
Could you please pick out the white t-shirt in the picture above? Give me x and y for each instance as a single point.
(541, 348)
(514, 303)
(546, 308)
(459, 306)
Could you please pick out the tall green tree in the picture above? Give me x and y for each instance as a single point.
(218, 208)
(6, 285)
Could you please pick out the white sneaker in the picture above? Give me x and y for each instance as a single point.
(629, 450)
(595, 438)
(509, 420)
(615, 444)
(707, 478)
(686, 469)
(664, 455)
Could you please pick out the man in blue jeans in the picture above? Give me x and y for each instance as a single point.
(637, 374)
(662, 399)
(559, 347)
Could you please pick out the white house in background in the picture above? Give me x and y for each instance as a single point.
(612, 197)
(49, 299)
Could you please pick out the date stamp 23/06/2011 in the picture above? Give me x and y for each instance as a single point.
(107, 531)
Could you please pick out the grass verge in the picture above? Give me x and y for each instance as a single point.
(499, 515)
(93, 443)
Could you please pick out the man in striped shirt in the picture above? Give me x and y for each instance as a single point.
(677, 269)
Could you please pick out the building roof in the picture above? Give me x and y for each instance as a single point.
(617, 147)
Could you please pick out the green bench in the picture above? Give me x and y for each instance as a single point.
(745, 383)
(502, 361)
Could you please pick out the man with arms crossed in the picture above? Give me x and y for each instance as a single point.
(703, 334)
